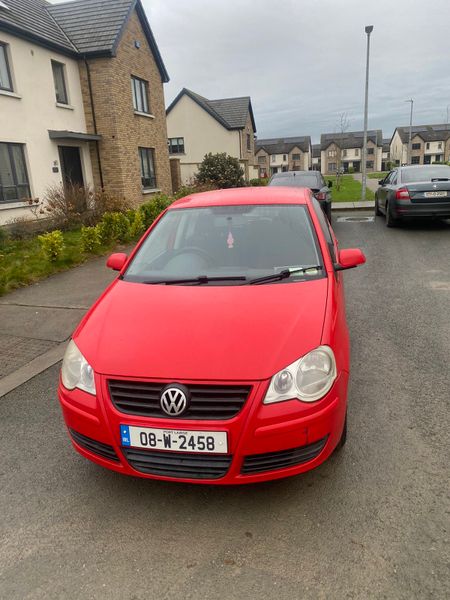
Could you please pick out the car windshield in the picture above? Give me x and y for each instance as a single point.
(220, 242)
(309, 181)
(425, 173)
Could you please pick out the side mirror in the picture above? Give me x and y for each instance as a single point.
(330, 184)
(350, 258)
(116, 261)
(381, 182)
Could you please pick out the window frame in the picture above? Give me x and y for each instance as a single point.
(17, 185)
(143, 84)
(180, 148)
(61, 65)
(370, 151)
(415, 160)
(296, 156)
(416, 146)
(249, 143)
(5, 47)
(369, 164)
(147, 151)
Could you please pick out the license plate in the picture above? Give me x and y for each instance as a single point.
(175, 440)
(436, 194)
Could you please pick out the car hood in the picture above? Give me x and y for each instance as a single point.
(202, 332)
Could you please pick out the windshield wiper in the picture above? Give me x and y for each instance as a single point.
(200, 280)
(285, 274)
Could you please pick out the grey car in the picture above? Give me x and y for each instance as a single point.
(415, 191)
(308, 179)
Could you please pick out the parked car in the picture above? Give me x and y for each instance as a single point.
(414, 191)
(309, 179)
(220, 354)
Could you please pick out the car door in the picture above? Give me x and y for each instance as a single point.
(383, 190)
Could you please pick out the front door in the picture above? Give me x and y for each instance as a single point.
(71, 169)
(356, 166)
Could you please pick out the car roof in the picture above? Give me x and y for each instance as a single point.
(247, 195)
(408, 167)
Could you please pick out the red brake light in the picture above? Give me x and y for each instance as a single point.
(402, 194)
(321, 196)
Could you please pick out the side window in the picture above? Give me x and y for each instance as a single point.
(325, 229)
(393, 179)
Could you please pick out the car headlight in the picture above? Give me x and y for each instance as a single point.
(76, 372)
(307, 379)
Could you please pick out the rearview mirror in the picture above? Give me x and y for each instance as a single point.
(330, 183)
(350, 258)
(116, 261)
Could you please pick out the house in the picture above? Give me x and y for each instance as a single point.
(386, 154)
(315, 153)
(344, 150)
(81, 101)
(429, 144)
(283, 154)
(197, 126)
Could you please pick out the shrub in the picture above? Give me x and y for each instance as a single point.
(52, 244)
(69, 205)
(351, 169)
(114, 227)
(260, 181)
(90, 239)
(137, 225)
(152, 209)
(221, 170)
(187, 190)
(104, 202)
(22, 228)
(3, 237)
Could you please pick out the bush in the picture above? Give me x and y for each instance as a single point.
(104, 202)
(70, 205)
(260, 181)
(90, 239)
(114, 227)
(52, 244)
(221, 170)
(351, 169)
(136, 225)
(3, 237)
(152, 209)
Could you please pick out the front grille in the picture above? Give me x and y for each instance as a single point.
(93, 446)
(258, 463)
(177, 464)
(207, 401)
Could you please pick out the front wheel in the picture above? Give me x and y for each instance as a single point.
(391, 221)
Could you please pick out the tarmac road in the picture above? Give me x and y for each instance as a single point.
(372, 522)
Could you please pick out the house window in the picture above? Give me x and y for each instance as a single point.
(428, 145)
(356, 151)
(139, 87)
(369, 150)
(262, 160)
(14, 184)
(344, 153)
(332, 166)
(331, 153)
(176, 145)
(415, 160)
(416, 146)
(249, 144)
(296, 157)
(369, 164)
(273, 158)
(60, 82)
(148, 176)
(284, 157)
(439, 145)
(438, 157)
(5, 73)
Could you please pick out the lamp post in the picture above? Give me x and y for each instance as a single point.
(368, 30)
(410, 131)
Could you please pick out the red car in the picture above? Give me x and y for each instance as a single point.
(220, 354)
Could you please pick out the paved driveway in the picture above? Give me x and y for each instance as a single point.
(370, 523)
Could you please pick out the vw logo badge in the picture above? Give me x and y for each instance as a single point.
(174, 400)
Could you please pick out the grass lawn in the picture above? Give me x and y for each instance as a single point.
(350, 189)
(22, 261)
(380, 175)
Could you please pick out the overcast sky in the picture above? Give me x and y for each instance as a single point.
(303, 61)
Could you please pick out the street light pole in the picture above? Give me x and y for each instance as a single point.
(410, 131)
(368, 30)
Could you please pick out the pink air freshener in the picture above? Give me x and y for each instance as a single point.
(230, 240)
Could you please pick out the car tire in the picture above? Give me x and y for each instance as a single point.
(390, 220)
(378, 212)
(343, 438)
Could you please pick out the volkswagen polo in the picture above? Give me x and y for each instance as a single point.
(220, 353)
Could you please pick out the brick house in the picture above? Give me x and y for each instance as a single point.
(283, 154)
(315, 152)
(81, 100)
(197, 126)
(429, 144)
(344, 151)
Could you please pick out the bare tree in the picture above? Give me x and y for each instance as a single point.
(344, 124)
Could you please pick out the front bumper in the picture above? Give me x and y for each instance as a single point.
(265, 441)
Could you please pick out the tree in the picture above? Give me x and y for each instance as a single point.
(220, 170)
